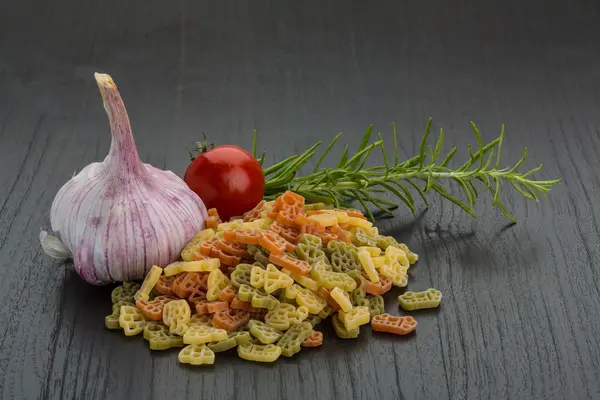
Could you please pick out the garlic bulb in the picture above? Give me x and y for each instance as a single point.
(117, 218)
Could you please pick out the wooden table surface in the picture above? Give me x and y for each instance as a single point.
(520, 318)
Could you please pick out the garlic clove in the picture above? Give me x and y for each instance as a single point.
(54, 247)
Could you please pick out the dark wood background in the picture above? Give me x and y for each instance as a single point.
(520, 314)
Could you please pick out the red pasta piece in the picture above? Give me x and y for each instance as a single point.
(207, 246)
(314, 340)
(228, 294)
(392, 324)
(238, 304)
(383, 286)
(163, 286)
(223, 257)
(254, 214)
(230, 319)
(324, 293)
(289, 233)
(184, 284)
(216, 306)
(153, 309)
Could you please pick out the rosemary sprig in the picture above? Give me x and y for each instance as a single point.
(350, 180)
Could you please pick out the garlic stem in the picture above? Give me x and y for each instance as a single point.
(123, 155)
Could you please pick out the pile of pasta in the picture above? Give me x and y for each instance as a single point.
(263, 282)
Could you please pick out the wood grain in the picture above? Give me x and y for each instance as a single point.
(521, 310)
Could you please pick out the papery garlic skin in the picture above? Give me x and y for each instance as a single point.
(121, 216)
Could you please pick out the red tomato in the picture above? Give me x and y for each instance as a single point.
(227, 178)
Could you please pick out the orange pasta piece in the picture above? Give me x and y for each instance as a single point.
(272, 242)
(293, 264)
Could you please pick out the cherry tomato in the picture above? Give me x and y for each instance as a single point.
(227, 178)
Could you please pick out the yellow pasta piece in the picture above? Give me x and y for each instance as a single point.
(258, 224)
(359, 222)
(342, 216)
(324, 220)
(199, 334)
(378, 261)
(149, 282)
(373, 251)
(216, 282)
(342, 298)
(260, 353)
(285, 315)
(394, 255)
(225, 226)
(196, 354)
(354, 318)
(368, 266)
(395, 273)
(201, 265)
(307, 298)
(303, 280)
(270, 279)
(194, 245)
(173, 268)
(176, 315)
(412, 257)
(131, 320)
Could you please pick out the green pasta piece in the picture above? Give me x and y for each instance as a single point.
(284, 299)
(252, 249)
(358, 300)
(326, 312)
(159, 338)
(314, 319)
(361, 282)
(430, 298)
(309, 254)
(317, 206)
(339, 247)
(311, 240)
(257, 297)
(233, 339)
(263, 332)
(383, 242)
(112, 321)
(330, 279)
(262, 257)
(241, 275)
(341, 331)
(345, 262)
(361, 238)
(223, 345)
(376, 305)
(241, 337)
(125, 292)
(292, 339)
